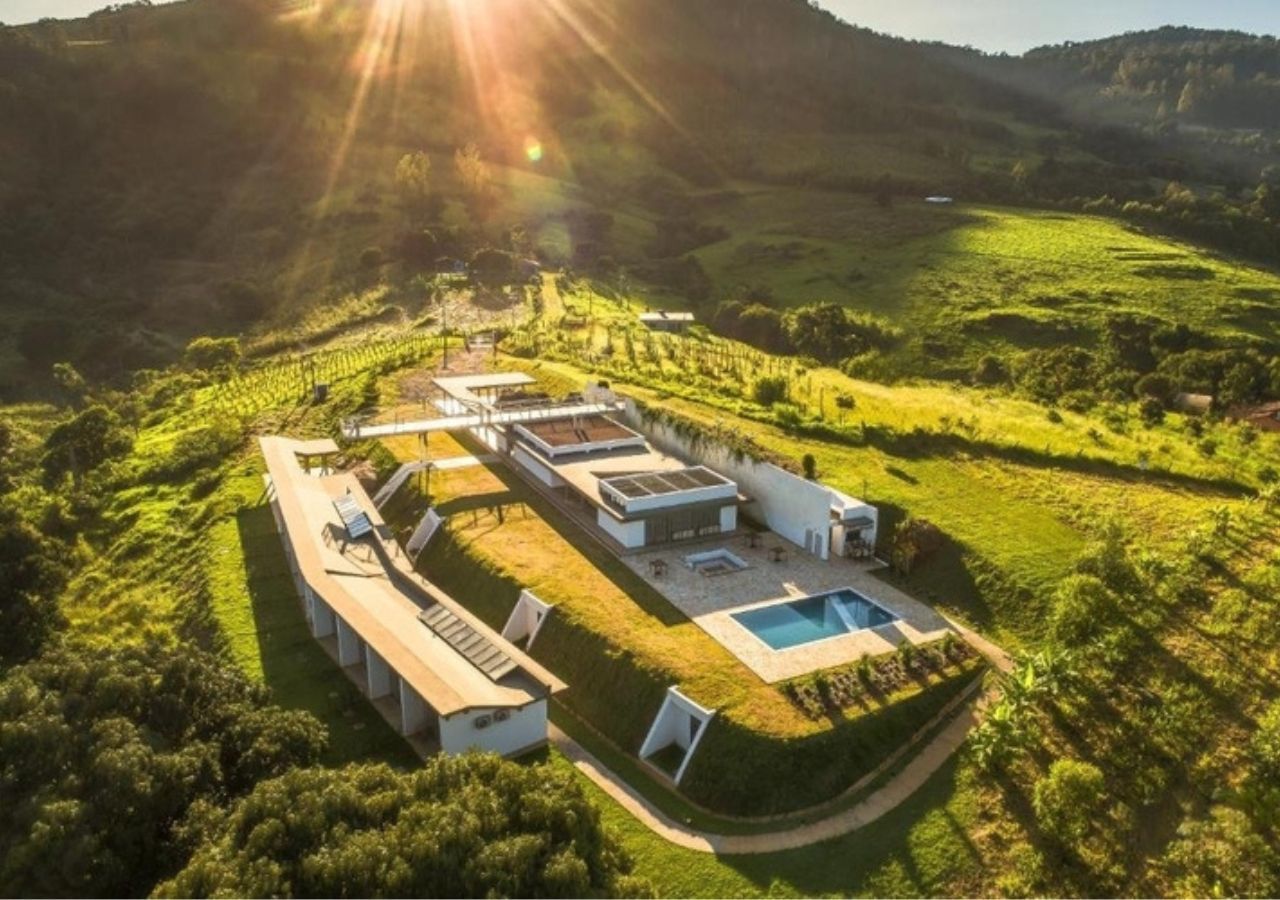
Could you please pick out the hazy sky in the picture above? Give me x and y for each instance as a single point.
(1017, 25)
(1009, 25)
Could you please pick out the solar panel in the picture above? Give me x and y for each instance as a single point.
(654, 483)
(477, 648)
(353, 517)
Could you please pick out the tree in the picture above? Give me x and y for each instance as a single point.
(473, 175)
(810, 466)
(1151, 411)
(31, 577)
(1265, 745)
(1069, 800)
(71, 381)
(1222, 856)
(106, 753)
(208, 354)
(84, 443)
(418, 248)
(413, 178)
(1189, 98)
(1020, 174)
(493, 267)
(467, 826)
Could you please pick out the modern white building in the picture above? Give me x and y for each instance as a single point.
(809, 514)
(455, 683)
(641, 497)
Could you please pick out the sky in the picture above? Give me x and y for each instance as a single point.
(1014, 26)
(1011, 26)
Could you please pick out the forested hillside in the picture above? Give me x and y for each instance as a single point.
(234, 163)
(1224, 79)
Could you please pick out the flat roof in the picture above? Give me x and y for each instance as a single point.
(654, 484)
(372, 586)
(463, 387)
(585, 430)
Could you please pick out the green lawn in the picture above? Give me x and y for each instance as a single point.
(976, 279)
(920, 848)
(260, 617)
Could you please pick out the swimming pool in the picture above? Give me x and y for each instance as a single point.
(795, 622)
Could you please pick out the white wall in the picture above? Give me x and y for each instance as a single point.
(673, 724)
(535, 468)
(628, 534)
(524, 728)
(413, 709)
(379, 674)
(526, 618)
(348, 644)
(787, 503)
(728, 518)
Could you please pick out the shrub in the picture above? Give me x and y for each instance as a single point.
(770, 390)
(1069, 800)
(84, 443)
(1151, 411)
(417, 247)
(990, 369)
(493, 267)
(371, 257)
(1082, 607)
(207, 354)
(810, 466)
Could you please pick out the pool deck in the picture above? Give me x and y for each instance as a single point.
(711, 600)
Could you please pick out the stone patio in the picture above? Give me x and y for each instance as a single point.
(710, 600)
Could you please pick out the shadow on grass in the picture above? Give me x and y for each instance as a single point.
(947, 577)
(300, 674)
(520, 494)
(907, 852)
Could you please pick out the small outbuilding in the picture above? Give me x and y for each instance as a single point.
(1193, 404)
(662, 320)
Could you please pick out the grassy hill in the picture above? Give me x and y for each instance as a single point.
(222, 167)
(1003, 366)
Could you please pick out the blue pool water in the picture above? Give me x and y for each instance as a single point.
(796, 622)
